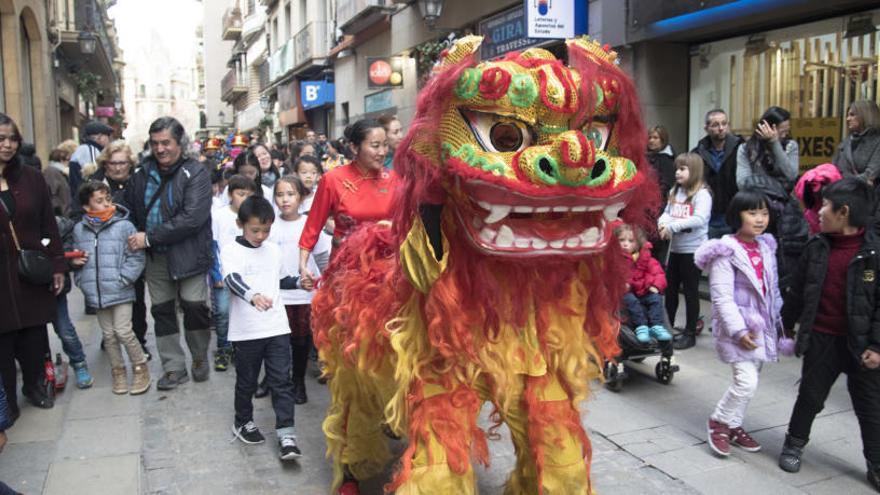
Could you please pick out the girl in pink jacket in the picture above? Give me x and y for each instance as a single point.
(746, 306)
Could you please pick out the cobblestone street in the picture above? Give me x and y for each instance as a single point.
(648, 438)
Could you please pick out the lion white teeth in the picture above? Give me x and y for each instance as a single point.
(539, 243)
(578, 209)
(523, 209)
(505, 237)
(496, 213)
(561, 209)
(573, 242)
(522, 242)
(557, 243)
(487, 234)
(542, 209)
(612, 211)
(590, 237)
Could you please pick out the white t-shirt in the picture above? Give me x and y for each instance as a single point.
(306, 203)
(224, 228)
(260, 270)
(286, 234)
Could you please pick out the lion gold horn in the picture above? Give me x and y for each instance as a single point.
(460, 49)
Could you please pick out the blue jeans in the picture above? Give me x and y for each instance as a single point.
(220, 315)
(646, 310)
(67, 332)
(274, 353)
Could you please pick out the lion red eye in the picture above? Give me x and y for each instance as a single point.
(506, 136)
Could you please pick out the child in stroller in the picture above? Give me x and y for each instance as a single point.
(643, 329)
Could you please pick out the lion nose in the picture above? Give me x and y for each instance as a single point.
(576, 151)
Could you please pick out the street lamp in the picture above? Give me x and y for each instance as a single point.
(431, 10)
(87, 42)
(222, 116)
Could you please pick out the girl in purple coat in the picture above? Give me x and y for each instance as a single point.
(746, 306)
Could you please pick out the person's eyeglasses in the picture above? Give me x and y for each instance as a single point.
(118, 164)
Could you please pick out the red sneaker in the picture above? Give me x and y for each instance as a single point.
(719, 438)
(349, 488)
(741, 439)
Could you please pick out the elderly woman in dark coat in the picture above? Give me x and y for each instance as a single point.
(25, 308)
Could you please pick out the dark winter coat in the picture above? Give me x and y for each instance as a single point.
(22, 304)
(862, 298)
(107, 279)
(859, 155)
(646, 272)
(186, 215)
(723, 182)
(663, 162)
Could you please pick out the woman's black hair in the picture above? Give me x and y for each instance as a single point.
(744, 201)
(854, 193)
(16, 136)
(356, 133)
(758, 150)
(308, 159)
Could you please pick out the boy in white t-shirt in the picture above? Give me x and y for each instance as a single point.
(258, 325)
(289, 192)
(224, 230)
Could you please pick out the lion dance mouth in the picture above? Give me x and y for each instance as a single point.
(498, 278)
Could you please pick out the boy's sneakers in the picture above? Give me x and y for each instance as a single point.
(249, 433)
(288, 449)
(719, 438)
(221, 360)
(643, 334)
(743, 440)
(146, 352)
(660, 333)
(792, 450)
(83, 377)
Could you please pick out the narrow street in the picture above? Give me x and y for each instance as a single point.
(648, 438)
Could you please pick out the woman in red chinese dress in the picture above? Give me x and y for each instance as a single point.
(358, 192)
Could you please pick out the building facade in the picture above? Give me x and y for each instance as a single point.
(216, 53)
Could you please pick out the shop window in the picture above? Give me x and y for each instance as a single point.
(345, 117)
(815, 71)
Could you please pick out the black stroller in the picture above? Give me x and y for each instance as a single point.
(633, 350)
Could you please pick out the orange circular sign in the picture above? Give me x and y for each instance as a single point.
(380, 72)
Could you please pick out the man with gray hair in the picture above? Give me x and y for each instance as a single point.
(170, 203)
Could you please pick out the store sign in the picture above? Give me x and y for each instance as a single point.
(817, 138)
(556, 19)
(504, 32)
(104, 111)
(377, 102)
(316, 93)
(384, 72)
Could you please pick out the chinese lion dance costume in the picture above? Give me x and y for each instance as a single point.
(497, 279)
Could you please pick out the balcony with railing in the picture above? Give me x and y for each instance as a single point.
(281, 61)
(254, 22)
(232, 86)
(353, 16)
(311, 45)
(232, 24)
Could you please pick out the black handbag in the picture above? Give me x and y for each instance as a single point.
(34, 265)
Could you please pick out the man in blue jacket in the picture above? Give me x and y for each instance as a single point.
(169, 200)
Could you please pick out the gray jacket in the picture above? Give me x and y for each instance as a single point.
(859, 155)
(108, 278)
(784, 160)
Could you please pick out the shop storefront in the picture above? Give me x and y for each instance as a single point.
(814, 70)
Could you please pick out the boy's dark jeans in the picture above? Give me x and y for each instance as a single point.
(274, 352)
(645, 310)
(827, 357)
